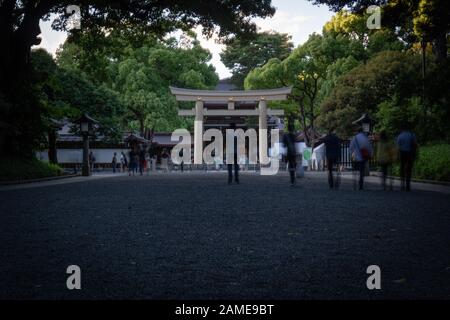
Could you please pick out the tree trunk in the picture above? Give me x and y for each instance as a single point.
(303, 121)
(18, 109)
(6, 38)
(142, 126)
(440, 47)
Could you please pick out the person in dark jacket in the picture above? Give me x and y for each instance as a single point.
(289, 144)
(235, 164)
(333, 155)
(407, 147)
(141, 160)
(132, 162)
(114, 162)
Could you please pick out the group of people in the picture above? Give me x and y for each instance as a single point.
(138, 161)
(404, 148)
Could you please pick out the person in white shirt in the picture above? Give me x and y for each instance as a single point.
(361, 151)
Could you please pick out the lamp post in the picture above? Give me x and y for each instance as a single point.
(423, 45)
(86, 128)
(366, 123)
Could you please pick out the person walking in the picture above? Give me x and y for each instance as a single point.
(333, 156)
(114, 162)
(165, 160)
(148, 162)
(289, 145)
(141, 161)
(136, 161)
(386, 152)
(361, 151)
(123, 162)
(91, 161)
(132, 163)
(407, 147)
(235, 163)
(182, 162)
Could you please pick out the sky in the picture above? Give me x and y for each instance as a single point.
(299, 18)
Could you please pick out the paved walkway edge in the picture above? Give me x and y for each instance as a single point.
(436, 182)
(16, 182)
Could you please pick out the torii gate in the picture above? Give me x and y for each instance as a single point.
(230, 99)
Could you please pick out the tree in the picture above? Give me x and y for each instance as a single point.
(414, 20)
(141, 74)
(19, 30)
(66, 94)
(388, 75)
(315, 68)
(243, 55)
(303, 70)
(432, 23)
(306, 69)
(82, 96)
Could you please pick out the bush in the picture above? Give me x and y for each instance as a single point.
(12, 169)
(433, 162)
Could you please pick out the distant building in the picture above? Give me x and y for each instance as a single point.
(70, 147)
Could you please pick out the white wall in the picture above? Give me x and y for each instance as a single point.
(76, 155)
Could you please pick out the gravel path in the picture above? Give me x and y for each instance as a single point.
(192, 236)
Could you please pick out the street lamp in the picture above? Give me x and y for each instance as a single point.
(366, 123)
(86, 128)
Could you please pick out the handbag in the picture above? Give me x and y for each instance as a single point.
(364, 152)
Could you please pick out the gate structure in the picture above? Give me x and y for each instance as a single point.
(230, 104)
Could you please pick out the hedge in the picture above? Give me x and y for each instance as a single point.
(12, 169)
(433, 163)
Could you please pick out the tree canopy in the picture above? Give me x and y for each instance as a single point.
(314, 68)
(412, 20)
(19, 31)
(141, 75)
(242, 55)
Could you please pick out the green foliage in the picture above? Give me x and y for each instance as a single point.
(363, 71)
(20, 101)
(364, 88)
(392, 115)
(303, 70)
(68, 94)
(334, 71)
(243, 55)
(389, 86)
(315, 68)
(12, 169)
(431, 18)
(433, 163)
(410, 20)
(140, 74)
